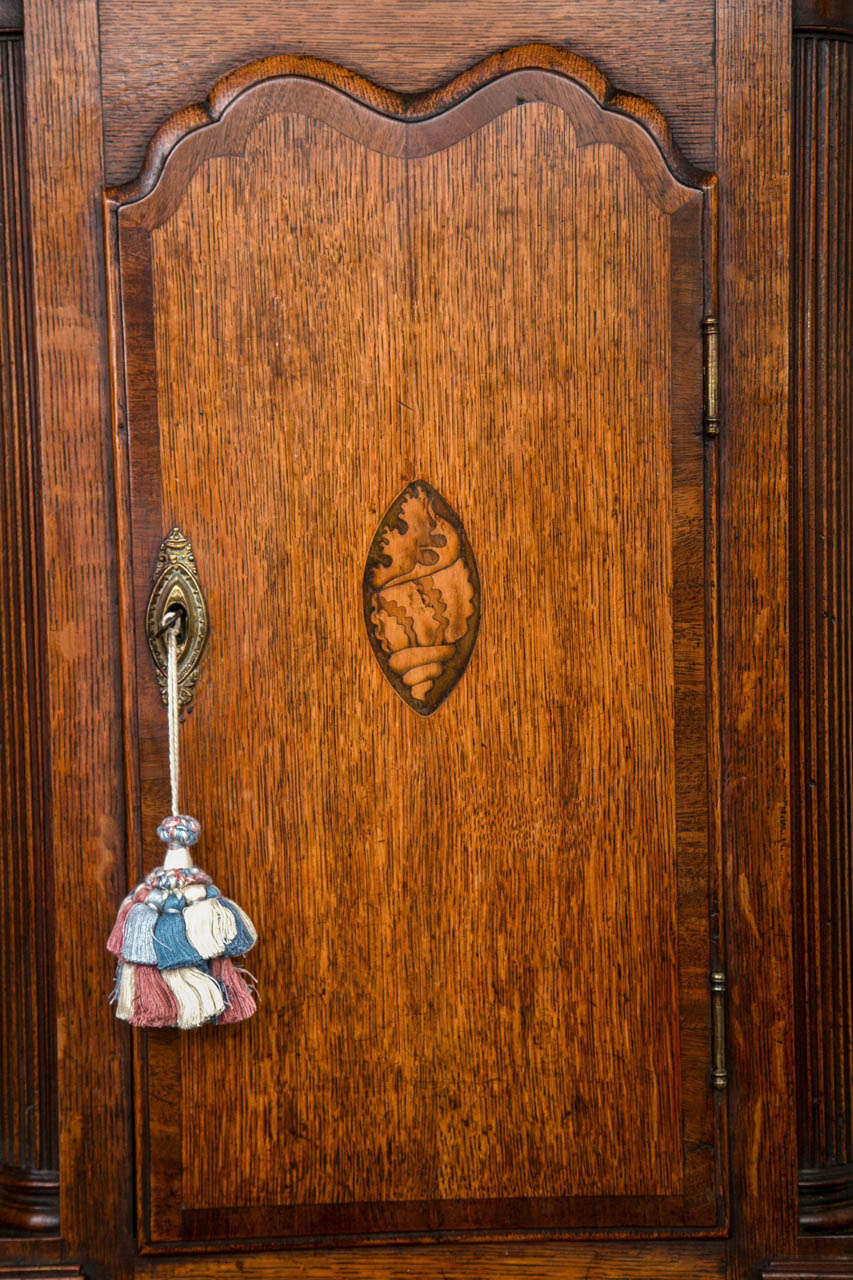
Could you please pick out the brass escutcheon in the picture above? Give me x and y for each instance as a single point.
(177, 587)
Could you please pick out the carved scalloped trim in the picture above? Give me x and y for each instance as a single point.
(540, 57)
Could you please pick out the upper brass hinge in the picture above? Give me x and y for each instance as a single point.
(719, 1067)
(711, 350)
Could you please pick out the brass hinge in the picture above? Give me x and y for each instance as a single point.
(719, 1070)
(711, 349)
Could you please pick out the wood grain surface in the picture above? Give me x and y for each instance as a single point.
(481, 931)
(821, 503)
(81, 609)
(753, 168)
(29, 1156)
(699, 1261)
(839, 1268)
(42, 1271)
(158, 57)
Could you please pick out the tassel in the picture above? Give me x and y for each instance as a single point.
(125, 983)
(239, 1001)
(138, 942)
(246, 935)
(210, 927)
(153, 1003)
(116, 938)
(251, 931)
(198, 996)
(165, 934)
(177, 921)
(171, 944)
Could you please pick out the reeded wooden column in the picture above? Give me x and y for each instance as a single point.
(28, 1119)
(822, 604)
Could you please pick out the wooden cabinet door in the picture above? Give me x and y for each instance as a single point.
(422, 382)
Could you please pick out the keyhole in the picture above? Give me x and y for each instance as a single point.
(176, 615)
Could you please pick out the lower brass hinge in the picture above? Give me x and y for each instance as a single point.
(719, 1069)
(711, 356)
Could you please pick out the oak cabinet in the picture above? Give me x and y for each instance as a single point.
(470, 394)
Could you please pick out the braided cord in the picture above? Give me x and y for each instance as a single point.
(173, 710)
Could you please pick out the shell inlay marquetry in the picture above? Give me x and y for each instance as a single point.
(421, 597)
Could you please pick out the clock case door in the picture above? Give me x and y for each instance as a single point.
(487, 926)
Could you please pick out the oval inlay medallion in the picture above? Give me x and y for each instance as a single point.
(421, 597)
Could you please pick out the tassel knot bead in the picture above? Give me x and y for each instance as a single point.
(179, 829)
(176, 878)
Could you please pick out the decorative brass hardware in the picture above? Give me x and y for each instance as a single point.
(710, 333)
(719, 1070)
(176, 586)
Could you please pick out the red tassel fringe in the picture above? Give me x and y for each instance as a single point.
(240, 1003)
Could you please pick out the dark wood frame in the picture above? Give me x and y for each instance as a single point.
(29, 1181)
(753, 61)
(821, 421)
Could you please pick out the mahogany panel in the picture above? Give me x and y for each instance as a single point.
(446, 298)
(821, 585)
(158, 57)
(29, 1157)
